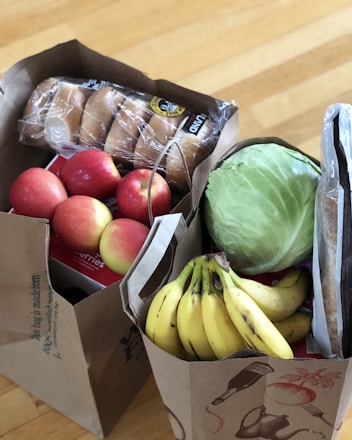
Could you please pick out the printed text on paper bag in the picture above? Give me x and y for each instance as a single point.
(49, 316)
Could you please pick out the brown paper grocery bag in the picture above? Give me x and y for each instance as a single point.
(85, 360)
(251, 396)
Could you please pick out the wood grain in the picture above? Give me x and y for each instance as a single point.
(282, 61)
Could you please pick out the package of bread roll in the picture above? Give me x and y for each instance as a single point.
(332, 252)
(138, 129)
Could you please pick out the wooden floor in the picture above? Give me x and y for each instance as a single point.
(283, 61)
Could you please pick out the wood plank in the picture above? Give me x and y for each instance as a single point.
(17, 408)
(50, 426)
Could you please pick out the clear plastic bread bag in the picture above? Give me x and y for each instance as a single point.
(332, 249)
(138, 129)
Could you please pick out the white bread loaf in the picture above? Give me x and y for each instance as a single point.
(127, 125)
(98, 114)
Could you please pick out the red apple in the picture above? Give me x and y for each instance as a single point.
(121, 242)
(91, 173)
(132, 195)
(79, 221)
(36, 192)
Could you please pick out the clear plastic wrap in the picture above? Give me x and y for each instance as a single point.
(332, 252)
(137, 128)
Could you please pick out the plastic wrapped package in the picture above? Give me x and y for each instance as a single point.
(332, 252)
(138, 129)
(126, 127)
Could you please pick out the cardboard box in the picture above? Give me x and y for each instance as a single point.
(85, 360)
(70, 269)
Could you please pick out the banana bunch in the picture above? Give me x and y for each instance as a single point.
(209, 312)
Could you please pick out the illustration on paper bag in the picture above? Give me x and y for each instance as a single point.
(258, 423)
(244, 379)
(294, 390)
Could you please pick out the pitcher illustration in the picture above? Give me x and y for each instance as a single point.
(257, 423)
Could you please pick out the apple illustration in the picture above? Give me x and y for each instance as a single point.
(121, 242)
(132, 195)
(79, 221)
(36, 192)
(92, 173)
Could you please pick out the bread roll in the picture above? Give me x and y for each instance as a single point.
(64, 115)
(127, 125)
(98, 114)
(187, 151)
(31, 126)
(153, 140)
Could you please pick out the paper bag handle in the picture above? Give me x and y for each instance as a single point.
(165, 229)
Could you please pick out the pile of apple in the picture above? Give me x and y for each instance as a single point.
(75, 203)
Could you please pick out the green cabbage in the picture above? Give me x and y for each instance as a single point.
(259, 207)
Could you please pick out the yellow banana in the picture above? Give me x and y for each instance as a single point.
(161, 321)
(254, 326)
(279, 301)
(223, 336)
(295, 327)
(189, 318)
